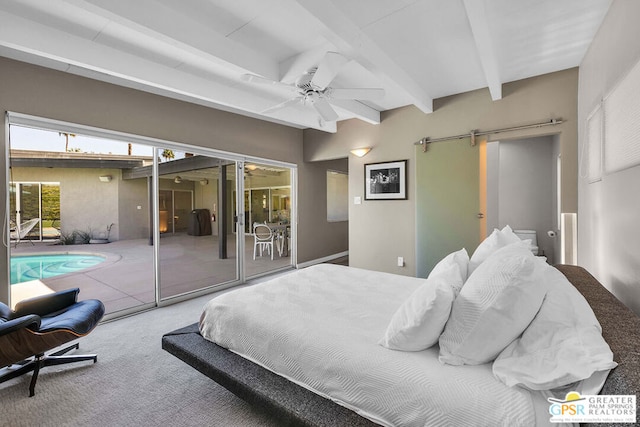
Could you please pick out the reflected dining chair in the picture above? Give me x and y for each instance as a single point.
(263, 238)
(281, 237)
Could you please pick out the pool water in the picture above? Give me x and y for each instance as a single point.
(34, 267)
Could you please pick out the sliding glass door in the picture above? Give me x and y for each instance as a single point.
(90, 201)
(195, 251)
(166, 223)
(267, 196)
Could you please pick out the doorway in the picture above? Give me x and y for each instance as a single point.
(522, 185)
(447, 204)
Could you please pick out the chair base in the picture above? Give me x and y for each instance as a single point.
(41, 360)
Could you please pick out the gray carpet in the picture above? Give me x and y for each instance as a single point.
(134, 382)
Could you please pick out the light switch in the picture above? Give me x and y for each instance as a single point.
(357, 200)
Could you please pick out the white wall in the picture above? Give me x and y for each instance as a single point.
(609, 210)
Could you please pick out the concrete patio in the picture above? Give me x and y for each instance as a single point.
(125, 278)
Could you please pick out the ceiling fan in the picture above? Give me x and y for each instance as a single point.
(312, 88)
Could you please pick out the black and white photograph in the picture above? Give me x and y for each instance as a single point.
(386, 181)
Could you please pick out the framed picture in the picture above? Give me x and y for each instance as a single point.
(385, 181)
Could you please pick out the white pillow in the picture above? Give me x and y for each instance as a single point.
(562, 345)
(496, 304)
(419, 321)
(460, 259)
(496, 240)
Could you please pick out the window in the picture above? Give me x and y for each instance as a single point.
(337, 196)
(622, 124)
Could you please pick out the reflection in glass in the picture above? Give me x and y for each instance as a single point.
(267, 198)
(86, 203)
(190, 212)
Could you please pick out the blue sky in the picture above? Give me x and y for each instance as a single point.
(23, 138)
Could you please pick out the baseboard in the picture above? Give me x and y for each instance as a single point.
(323, 259)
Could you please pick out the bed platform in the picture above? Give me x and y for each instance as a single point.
(290, 403)
(295, 405)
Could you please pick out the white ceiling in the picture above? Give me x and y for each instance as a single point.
(198, 50)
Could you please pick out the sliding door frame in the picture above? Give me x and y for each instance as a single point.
(19, 119)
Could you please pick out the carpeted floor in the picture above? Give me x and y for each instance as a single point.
(134, 382)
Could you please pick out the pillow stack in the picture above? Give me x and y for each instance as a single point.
(507, 307)
(419, 321)
(496, 304)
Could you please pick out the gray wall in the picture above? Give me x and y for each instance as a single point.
(525, 189)
(132, 223)
(312, 192)
(42, 92)
(608, 231)
(379, 232)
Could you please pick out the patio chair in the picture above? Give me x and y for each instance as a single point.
(263, 238)
(41, 324)
(22, 230)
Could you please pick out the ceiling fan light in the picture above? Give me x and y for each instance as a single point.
(360, 152)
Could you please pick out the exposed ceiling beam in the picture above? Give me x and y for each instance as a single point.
(202, 41)
(90, 59)
(350, 40)
(361, 111)
(480, 28)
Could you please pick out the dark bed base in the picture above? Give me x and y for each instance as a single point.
(290, 403)
(295, 405)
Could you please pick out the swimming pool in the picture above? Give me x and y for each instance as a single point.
(34, 267)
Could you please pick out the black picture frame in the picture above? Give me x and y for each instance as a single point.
(385, 180)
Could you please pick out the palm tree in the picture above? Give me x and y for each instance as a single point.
(66, 137)
(168, 154)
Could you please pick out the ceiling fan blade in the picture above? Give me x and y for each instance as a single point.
(355, 93)
(252, 78)
(328, 68)
(282, 105)
(325, 109)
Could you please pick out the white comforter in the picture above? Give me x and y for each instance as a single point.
(319, 327)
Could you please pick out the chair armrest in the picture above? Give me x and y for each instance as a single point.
(5, 311)
(46, 304)
(30, 321)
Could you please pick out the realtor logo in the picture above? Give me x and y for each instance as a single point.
(593, 408)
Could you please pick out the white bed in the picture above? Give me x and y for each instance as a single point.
(319, 327)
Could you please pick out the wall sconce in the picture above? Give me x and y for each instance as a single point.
(177, 180)
(360, 152)
(105, 178)
(204, 181)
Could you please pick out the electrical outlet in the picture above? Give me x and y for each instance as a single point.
(400, 261)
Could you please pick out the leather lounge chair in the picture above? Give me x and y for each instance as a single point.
(41, 324)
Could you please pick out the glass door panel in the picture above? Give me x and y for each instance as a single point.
(101, 207)
(197, 245)
(268, 193)
(50, 211)
(28, 207)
